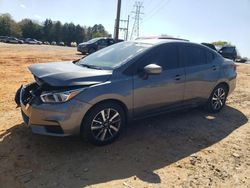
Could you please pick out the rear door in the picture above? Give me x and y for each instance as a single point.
(158, 92)
(202, 72)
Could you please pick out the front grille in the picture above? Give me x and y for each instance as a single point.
(30, 92)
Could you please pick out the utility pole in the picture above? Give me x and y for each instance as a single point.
(124, 25)
(137, 17)
(117, 20)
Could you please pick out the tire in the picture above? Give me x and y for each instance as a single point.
(217, 99)
(103, 123)
(91, 50)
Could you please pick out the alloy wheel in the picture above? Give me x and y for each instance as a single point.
(219, 98)
(106, 124)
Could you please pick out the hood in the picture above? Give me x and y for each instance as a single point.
(68, 74)
(84, 44)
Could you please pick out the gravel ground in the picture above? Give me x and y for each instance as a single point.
(184, 149)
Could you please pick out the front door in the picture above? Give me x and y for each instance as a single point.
(157, 92)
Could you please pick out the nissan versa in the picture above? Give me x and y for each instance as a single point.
(95, 96)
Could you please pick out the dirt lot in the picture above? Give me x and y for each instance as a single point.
(184, 149)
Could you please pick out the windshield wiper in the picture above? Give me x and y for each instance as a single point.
(91, 66)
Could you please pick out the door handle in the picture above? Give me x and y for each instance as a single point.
(214, 67)
(177, 77)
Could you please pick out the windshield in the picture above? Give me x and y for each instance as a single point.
(114, 56)
(93, 40)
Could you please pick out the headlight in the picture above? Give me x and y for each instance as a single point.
(57, 97)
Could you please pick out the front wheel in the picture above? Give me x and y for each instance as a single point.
(103, 123)
(217, 99)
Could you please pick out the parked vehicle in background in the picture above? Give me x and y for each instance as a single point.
(13, 40)
(241, 59)
(73, 44)
(53, 43)
(3, 38)
(96, 95)
(209, 45)
(94, 44)
(32, 41)
(46, 43)
(229, 52)
(61, 44)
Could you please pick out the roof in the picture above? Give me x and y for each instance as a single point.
(155, 41)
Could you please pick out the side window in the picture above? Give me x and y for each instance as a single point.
(210, 57)
(102, 42)
(194, 56)
(165, 56)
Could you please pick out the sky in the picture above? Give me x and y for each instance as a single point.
(195, 20)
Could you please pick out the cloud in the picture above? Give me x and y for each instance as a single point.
(22, 6)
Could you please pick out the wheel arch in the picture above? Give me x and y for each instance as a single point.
(224, 84)
(119, 102)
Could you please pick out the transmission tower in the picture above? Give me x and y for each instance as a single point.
(137, 17)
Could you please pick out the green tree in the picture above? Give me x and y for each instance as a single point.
(220, 43)
(47, 30)
(31, 29)
(8, 26)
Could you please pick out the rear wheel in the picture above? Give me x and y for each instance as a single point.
(103, 123)
(217, 99)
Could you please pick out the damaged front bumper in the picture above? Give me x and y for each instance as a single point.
(62, 119)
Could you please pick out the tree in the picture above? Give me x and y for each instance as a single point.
(31, 29)
(47, 30)
(50, 30)
(56, 31)
(8, 26)
(220, 43)
(79, 34)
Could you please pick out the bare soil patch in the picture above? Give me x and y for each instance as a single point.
(184, 149)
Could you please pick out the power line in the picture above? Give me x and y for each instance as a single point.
(157, 9)
(137, 17)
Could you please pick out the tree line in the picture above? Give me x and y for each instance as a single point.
(49, 30)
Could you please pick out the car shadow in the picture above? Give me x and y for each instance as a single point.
(145, 146)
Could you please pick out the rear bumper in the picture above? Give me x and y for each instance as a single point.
(232, 85)
(62, 119)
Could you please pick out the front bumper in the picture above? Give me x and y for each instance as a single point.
(82, 49)
(62, 119)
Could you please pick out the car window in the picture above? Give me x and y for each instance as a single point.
(210, 57)
(165, 56)
(102, 42)
(115, 55)
(194, 56)
(227, 49)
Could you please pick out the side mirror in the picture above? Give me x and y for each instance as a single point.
(152, 69)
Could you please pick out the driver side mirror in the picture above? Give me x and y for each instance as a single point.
(152, 69)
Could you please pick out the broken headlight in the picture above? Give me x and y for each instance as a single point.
(57, 97)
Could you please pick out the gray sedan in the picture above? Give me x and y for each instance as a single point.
(96, 96)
